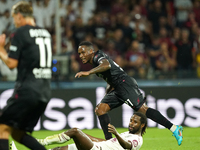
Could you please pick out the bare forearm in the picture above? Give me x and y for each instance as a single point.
(11, 63)
(4, 56)
(98, 69)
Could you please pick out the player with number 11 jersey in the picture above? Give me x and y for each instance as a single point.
(31, 53)
(32, 46)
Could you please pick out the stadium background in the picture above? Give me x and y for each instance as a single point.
(131, 32)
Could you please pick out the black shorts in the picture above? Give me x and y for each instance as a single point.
(22, 114)
(126, 92)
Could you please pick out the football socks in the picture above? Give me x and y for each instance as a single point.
(31, 143)
(158, 117)
(104, 121)
(3, 144)
(54, 139)
(173, 128)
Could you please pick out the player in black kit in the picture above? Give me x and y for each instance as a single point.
(120, 89)
(30, 51)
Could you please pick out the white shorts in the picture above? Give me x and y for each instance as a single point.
(96, 147)
(73, 147)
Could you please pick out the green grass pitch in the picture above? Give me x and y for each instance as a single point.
(154, 139)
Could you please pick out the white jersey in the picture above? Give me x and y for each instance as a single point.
(113, 143)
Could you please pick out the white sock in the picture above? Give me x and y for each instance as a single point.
(13, 147)
(173, 128)
(57, 139)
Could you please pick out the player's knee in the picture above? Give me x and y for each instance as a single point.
(73, 131)
(99, 111)
(143, 109)
(5, 131)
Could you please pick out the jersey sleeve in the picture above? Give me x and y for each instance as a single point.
(98, 57)
(16, 45)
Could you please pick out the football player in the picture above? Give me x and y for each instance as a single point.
(131, 139)
(121, 89)
(30, 52)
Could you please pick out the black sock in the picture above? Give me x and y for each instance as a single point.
(31, 143)
(104, 121)
(3, 144)
(158, 117)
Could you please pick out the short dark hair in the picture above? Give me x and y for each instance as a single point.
(143, 120)
(88, 44)
(23, 8)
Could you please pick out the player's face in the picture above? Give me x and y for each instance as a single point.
(135, 124)
(16, 20)
(84, 54)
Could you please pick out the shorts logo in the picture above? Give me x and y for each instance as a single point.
(16, 96)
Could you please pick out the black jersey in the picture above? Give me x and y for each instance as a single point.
(31, 46)
(114, 75)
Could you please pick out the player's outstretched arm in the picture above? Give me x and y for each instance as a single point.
(103, 66)
(125, 144)
(11, 63)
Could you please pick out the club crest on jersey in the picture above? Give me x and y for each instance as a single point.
(135, 143)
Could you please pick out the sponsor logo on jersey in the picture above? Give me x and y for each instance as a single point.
(42, 73)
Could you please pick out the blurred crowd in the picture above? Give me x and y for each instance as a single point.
(150, 39)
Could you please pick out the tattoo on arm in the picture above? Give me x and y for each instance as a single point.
(103, 66)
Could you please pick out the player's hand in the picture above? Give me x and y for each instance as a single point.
(2, 40)
(112, 129)
(82, 74)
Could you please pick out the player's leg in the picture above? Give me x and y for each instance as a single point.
(7, 118)
(109, 102)
(68, 147)
(27, 116)
(82, 141)
(34, 109)
(5, 131)
(27, 140)
(104, 119)
(61, 148)
(156, 116)
(54, 139)
(136, 101)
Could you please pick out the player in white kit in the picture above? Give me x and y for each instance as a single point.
(130, 140)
